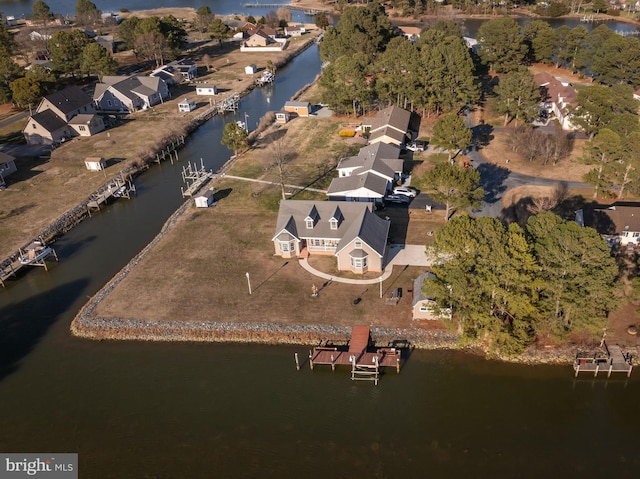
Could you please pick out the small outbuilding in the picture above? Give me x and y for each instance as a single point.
(300, 108)
(206, 89)
(282, 117)
(186, 105)
(205, 199)
(250, 69)
(424, 308)
(95, 163)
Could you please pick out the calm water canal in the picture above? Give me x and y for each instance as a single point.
(138, 410)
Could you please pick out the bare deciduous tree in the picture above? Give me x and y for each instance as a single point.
(280, 156)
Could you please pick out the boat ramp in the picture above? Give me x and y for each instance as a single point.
(365, 362)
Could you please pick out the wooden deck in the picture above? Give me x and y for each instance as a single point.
(365, 364)
(610, 360)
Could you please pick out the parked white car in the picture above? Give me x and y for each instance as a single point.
(404, 191)
(416, 146)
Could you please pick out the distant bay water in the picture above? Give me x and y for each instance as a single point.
(17, 8)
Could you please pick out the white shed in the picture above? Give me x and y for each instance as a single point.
(205, 199)
(95, 163)
(250, 69)
(206, 89)
(187, 105)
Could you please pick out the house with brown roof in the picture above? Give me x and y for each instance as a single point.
(559, 98)
(390, 125)
(127, 94)
(351, 232)
(618, 223)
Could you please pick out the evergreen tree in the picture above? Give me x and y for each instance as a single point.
(234, 137)
(540, 39)
(501, 44)
(451, 133)
(617, 61)
(203, 19)
(602, 151)
(66, 50)
(577, 273)
(218, 30)
(41, 13)
(627, 170)
(26, 92)
(95, 59)
(518, 96)
(399, 72)
(449, 75)
(7, 42)
(598, 107)
(455, 186)
(87, 13)
(9, 71)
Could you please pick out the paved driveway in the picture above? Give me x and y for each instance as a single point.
(407, 254)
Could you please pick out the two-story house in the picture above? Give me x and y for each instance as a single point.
(618, 223)
(127, 94)
(351, 232)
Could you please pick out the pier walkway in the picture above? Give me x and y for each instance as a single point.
(610, 360)
(365, 364)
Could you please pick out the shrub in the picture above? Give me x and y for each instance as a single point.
(347, 133)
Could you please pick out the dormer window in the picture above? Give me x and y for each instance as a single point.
(309, 222)
(334, 223)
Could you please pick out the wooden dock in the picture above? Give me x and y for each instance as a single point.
(195, 178)
(610, 359)
(365, 362)
(119, 187)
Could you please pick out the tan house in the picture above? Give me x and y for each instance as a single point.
(46, 128)
(67, 103)
(390, 126)
(49, 125)
(351, 232)
(259, 39)
(87, 124)
(300, 108)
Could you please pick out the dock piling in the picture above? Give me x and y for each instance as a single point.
(295, 355)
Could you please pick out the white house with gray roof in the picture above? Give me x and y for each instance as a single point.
(369, 176)
(351, 232)
(126, 94)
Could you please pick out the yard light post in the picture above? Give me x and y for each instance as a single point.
(248, 282)
(380, 287)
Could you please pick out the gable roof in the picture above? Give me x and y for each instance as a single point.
(68, 100)
(555, 89)
(49, 120)
(393, 117)
(389, 131)
(346, 184)
(380, 150)
(131, 87)
(292, 214)
(371, 229)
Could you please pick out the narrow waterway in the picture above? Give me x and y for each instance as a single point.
(143, 410)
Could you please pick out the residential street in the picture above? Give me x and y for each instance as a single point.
(497, 180)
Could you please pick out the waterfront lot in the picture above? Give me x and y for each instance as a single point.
(197, 272)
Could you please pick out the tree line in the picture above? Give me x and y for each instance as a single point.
(508, 286)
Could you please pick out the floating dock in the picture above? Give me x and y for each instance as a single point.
(365, 362)
(609, 359)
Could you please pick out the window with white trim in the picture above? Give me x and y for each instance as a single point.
(309, 222)
(334, 223)
(358, 244)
